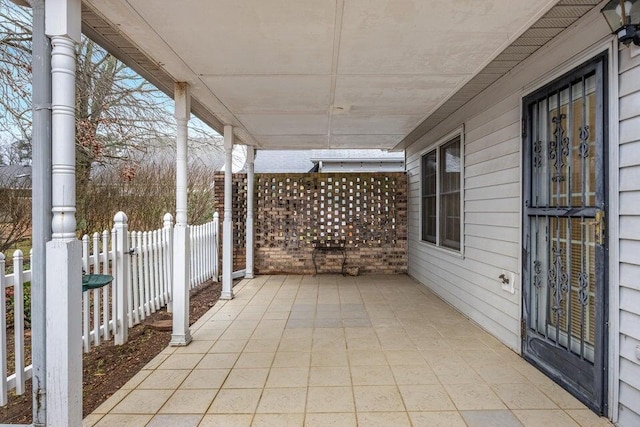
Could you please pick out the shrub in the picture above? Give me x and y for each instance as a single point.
(145, 193)
(9, 295)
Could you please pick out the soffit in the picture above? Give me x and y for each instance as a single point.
(326, 73)
(556, 20)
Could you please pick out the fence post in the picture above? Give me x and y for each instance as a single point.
(86, 343)
(114, 291)
(216, 247)
(18, 318)
(122, 274)
(95, 260)
(168, 257)
(105, 293)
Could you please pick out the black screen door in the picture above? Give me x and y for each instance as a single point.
(564, 262)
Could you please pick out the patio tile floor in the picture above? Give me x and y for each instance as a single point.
(339, 351)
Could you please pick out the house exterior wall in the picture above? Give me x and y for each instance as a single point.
(491, 229)
(362, 166)
(629, 90)
(493, 204)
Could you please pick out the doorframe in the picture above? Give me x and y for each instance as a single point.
(609, 45)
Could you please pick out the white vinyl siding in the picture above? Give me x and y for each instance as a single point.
(491, 224)
(629, 237)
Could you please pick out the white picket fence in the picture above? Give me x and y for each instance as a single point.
(204, 251)
(150, 262)
(13, 283)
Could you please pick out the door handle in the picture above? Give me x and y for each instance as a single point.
(601, 225)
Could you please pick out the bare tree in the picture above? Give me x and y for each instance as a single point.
(15, 71)
(17, 152)
(118, 114)
(15, 210)
(117, 111)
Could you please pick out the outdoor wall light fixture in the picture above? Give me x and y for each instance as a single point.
(624, 19)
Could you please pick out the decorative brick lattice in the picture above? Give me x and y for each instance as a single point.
(358, 209)
(367, 212)
(239, 189)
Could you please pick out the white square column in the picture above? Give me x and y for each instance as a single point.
(181, 335)
(64, 251)
(227, 224)
(249, 240)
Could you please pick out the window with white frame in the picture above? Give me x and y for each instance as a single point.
(441, 180)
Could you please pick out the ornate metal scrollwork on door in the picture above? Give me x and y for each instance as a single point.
(558, 282)
(583, 282)
(537, 154)
(559, 148)
(537, 279)
(584, 141)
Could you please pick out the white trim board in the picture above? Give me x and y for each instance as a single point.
(457, 133)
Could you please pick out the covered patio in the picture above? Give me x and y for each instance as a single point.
(334, 350)
(453, 84)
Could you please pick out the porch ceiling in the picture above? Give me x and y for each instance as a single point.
(330, 73)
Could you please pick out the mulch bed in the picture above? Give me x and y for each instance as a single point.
(108, 367)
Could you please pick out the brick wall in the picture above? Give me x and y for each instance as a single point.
(239, 213)
(294, 212)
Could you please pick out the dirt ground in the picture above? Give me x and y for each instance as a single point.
(108, 367)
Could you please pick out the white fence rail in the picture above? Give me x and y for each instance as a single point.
(151, 271)
(13, 285)
(148, 287)
(97, 257)
(204, 251)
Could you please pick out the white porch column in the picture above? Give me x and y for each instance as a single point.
(181, 255)
(64, 251)
(251, 153)
(227, 225)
